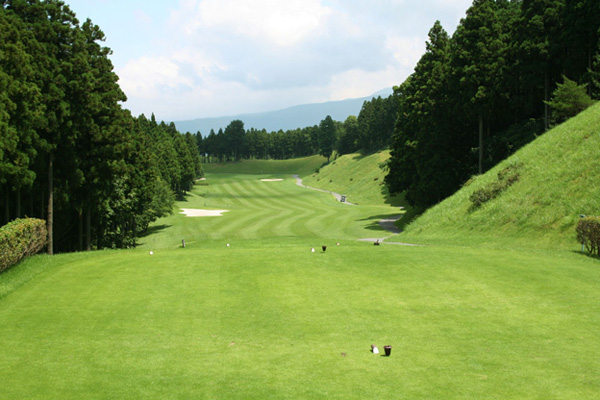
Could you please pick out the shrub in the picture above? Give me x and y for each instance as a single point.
(568, 100)
(588, 233)
(21, 238)
(506, 178)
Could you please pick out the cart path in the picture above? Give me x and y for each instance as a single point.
(337, 196)
(387, 224)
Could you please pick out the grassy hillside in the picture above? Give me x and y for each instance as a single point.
(357, 176)
(559, 176)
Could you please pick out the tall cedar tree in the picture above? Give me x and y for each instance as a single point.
(20, 112)
(95, 167)
(423, 161)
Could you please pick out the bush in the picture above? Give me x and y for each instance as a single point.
(506, 178)
(588, 233)
(21, 238)
(568, 100)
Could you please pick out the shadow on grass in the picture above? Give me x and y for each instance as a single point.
(396, 226)
(586, 254)
(153, 229)
(395, 200)
(182, 196)
(377, 225)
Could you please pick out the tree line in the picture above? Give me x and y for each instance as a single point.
(477, 96)
(372, 130)
(69, 153)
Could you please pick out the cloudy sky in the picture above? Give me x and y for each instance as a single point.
(206, 58)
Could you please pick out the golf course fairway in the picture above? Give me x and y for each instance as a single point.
(246, 310)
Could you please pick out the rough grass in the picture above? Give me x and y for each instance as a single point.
(558, 182)
(359, 177)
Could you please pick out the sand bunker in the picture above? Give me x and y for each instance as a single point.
(192, 212)
(271, 180)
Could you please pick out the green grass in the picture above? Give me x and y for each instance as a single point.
(266, 318)
(264, 210)
(558, 182)
(272, 321)
(300, 166)
(359, 177)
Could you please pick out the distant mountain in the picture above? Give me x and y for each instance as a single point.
(289, 118)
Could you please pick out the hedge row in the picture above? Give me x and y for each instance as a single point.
(506, 178)
(588, 233)
(21, 238)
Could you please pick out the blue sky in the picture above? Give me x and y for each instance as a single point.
(206, 58)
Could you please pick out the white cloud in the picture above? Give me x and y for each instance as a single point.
(358, 83)
(406, 50)
(150, 77)
(283, 23)
(227, 57)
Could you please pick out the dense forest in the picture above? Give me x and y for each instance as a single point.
(69, 153)
(510, 70)
(371, 131)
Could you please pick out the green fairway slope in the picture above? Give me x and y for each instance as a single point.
(276, 321)
(258, 209)
(558, 181)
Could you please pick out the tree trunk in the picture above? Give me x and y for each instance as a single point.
(6, 207)
(31, 213)
(134, 230)
(590, 64)
(88, 228)
(80, 229)
(546, 100)
(42, 205)
(18, 199)
(50, 203)
(480, 144)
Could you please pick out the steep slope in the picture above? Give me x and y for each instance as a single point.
(357, 176)
(558, 180)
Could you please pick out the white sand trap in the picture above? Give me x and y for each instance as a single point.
(193, 212)
(271, 180)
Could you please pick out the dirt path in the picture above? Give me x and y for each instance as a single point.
(386, 223)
